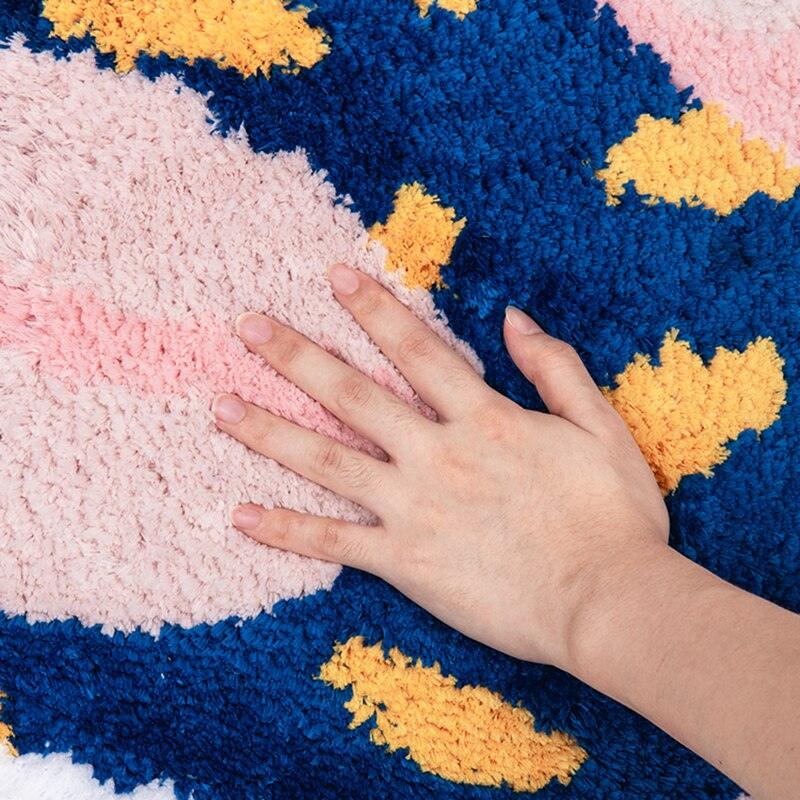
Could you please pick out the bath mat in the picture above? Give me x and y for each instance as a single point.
(626, 172)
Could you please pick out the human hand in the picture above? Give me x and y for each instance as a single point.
(502, 522)
(541, 535)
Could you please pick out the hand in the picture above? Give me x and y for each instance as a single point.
(542, 535)
(502, 522)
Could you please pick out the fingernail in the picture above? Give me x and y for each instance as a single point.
(254, 328)
(520, 321)
(228, 408)
(246, 517)
(344, 279)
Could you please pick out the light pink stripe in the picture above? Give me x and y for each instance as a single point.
(759, 16)
(752, 73)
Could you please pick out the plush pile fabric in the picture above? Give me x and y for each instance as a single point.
(627, 173)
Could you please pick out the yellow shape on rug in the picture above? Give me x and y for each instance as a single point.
(6, 733)
(419, 236)
(249, 35)
(465, 734)
(702, 159)
(682, 412)
(459, 7)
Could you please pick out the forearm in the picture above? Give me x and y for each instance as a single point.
(716, 668)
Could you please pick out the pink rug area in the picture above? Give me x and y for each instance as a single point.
(131, 243)
(741, 53)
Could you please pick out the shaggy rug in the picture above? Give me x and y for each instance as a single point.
(625, 172)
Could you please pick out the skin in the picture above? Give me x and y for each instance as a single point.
(541, 535)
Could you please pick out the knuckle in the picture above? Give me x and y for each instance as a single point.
(287, 349)
(354, 392)
(416, 345)
(260, 432)
(350, 549)
(370, 302)
(454, 465)
(329, 539)
(556, 357)
(459, 377)
(328, 457)
(337, 544)
(403, 418)
(494, 420)
(357, 473)
(281, 527)
(556, 352)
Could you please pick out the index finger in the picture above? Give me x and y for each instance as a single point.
(439, 375)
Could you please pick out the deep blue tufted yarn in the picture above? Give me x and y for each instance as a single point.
(505, 115)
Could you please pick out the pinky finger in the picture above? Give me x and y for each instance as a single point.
(359, 546)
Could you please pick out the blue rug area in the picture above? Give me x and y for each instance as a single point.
(505, 115)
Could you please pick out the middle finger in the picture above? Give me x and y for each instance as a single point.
(358, 401)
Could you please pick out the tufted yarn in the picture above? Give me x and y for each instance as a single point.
(249, 35)
(113, 347)
(161, 174)
(55, 777)
(445, 735)
(742, 54)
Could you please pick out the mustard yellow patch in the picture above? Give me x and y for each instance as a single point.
(419, 236)
(6, 733)
(464, 734)
(249, 35)
(682, 412)
(702, 159)
(459, 7)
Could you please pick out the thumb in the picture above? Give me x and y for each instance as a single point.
(557, 372)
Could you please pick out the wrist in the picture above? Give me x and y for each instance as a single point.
(631, 581)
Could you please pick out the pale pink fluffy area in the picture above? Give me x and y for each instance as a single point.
(114, 509)
(740, 54)
(759, 16)
(132, 238)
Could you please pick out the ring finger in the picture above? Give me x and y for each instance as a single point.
(346, 471)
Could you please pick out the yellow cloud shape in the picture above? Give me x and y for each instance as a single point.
(702, 159)
(419, 236)
(459, 7)
(465, 734)
(249, 35)
(682, 412)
